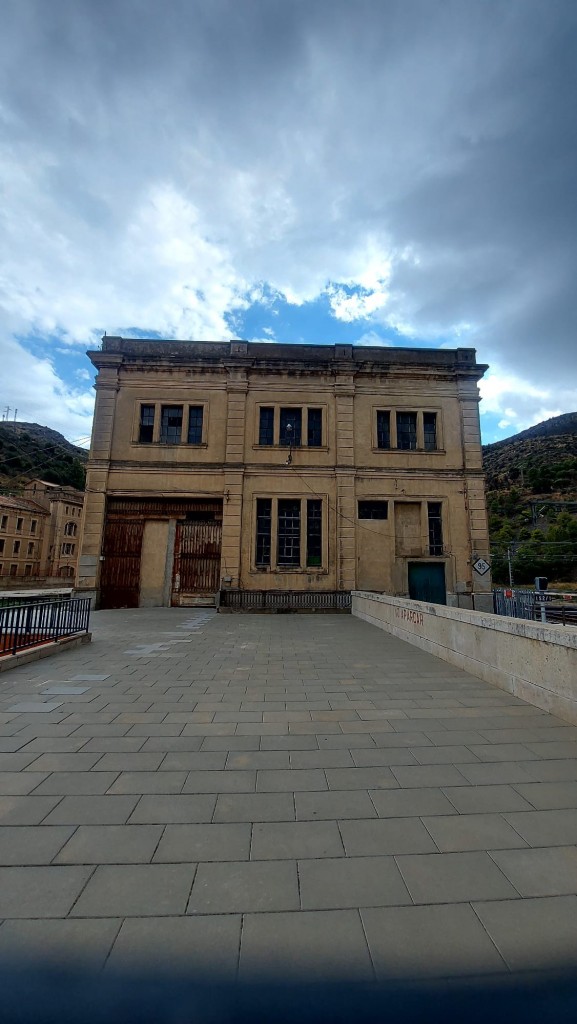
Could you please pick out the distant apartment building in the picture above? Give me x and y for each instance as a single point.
(251, 466)
(40, 533)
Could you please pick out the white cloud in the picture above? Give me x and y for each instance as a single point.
(520, 404)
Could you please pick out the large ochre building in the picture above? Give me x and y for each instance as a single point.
(252, 466)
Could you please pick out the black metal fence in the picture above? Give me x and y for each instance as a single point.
(542, 607)
(23, 626)
(285, 601)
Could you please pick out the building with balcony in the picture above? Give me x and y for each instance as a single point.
(295, 468)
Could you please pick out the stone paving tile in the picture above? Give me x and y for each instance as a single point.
(498, 774)
(76, 783)
(546, 828)
(296, 839)
(333, 805)
(244, 887)
(258, 759)
(378, 836)
(480, 799)
(19, 783)
(63, 763)
(110, 844)
(545, 795)
(410, 803)
(135, 890)
(196, 945)
(255, 807)
(54, 942)
(552, 771)
(456, 877)
(91, 810)
(456, 754)
(162, 810)
(290, 780)
(146, 782)
(533, 934)
(351, 882)
(40, 891)
(128, 762)
(220, 782)
(26, 810)
(539, 872)
(186, 843)
(434, 941)
(463, 832)
(321, 945)
(35, 844)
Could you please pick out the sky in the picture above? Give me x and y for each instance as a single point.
(384, 172)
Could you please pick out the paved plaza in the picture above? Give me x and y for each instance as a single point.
(285, 794)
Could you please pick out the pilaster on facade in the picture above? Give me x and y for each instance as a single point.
(237, 389)
(231, 560)
(92, 529)
(344, 413)
(346, 530)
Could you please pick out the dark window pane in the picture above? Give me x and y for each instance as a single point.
(430, 431)
(195, 414)
(383, 429)
(435, 528)
(171, 424)
(407, 431)
(291, 427)
(289, 532)
(373, 509)
(263, 530)
(146, 424)
(266, 426)
(315, 428)
(314, 532)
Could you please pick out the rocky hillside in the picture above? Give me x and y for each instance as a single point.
(538, 465)
(29, 450)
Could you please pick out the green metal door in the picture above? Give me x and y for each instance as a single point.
(427, 582)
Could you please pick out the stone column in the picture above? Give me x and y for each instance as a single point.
(345, 481)
(237, 388)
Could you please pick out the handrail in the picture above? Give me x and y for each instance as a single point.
(24, 626)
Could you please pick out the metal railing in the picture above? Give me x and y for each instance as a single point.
(23, 626)
(285, 600)
(550, 606)
(8, 598)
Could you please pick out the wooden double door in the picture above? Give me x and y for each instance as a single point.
(197, 553)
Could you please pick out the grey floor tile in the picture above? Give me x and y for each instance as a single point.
(257, 759)
(498, 774)
(318, 945)
(456, 754)
(180, 809)
(429, 942)
(34, 844)
(549, 795)
(380, 836)
(40, 891)
(187, 843)
(51, 943)
(91, 810)
(503, 752)
(540, 872)
(379, 757)
(410, 803)
(533, 934)
(564, 770)
(454, 877)
(19, 783)
(339, 884)
(227, 743)
(189, 761)
(76, 783)
(361, 778)
(244, 887)
(291, 780)
(482, 799)
(546, 828)
(147, 782)
(135, 890)
(201, 946)
(255, 807)
(421, 776)
(26, 810)
(64, 762)
(461, 832)
(129, 762)
(282, 840)
(220, 782)
(290, 742)
(110, 844)
(333, 805)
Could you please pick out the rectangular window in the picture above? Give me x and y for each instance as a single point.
(263, 530)
(170, 424)
(373, 509)
(407, 431)
(289, 532)
(19, 522)
(383, 429)
(1, 547)
(314, 532)
(27, 570)
(16, 548)
(315, 428)
(30, 548)
(291, 427)
(266, 426)
(434, 509)
(430, 431)
(195, 418)
(146, 431)
(13, 570)
(4, 523)
(33, 526)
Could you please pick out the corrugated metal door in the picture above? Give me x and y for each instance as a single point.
(196, 558)
(120, 576)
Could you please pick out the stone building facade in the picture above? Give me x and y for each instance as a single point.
(40, 534)
(282, 467)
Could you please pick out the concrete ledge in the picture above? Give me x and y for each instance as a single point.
(29, 654)
(535, 662)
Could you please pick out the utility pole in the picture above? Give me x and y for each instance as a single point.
(510, 564)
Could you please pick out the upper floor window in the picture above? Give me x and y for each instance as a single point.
(30, 547)
(3, 522)
(170, 424)
(290, 426)
(383, 429)
(33, 526)
(292, 528)
(407, 431)
(435, 523)
(19, 522)
(195, 418)
(373, 509)
(2, 542)
(70, 529)
(27, 570)
(146, 428)
(430, 431)
(16, 548)
(68, 549)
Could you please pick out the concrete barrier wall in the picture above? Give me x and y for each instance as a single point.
(535, 662)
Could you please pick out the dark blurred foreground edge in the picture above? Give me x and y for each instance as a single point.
(58, 997)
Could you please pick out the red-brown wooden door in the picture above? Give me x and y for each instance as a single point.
(120, 575)
(197, 552)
